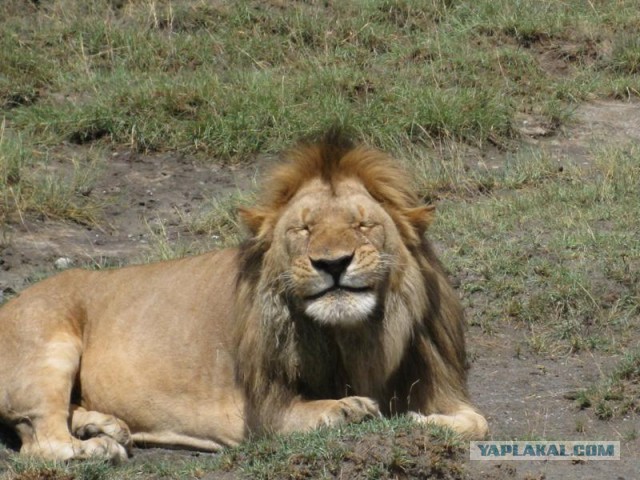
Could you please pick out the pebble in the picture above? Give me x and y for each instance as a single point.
(63, 263)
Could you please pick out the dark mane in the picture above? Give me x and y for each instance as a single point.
(281, 353)
(333, 158)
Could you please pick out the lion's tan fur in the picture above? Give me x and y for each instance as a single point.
(410, 359)
(203, 351)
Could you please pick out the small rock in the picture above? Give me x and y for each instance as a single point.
(63, 263)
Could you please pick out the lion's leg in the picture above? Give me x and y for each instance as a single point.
(41, 406)
(307, 415)
(214, 421)
(465, 420)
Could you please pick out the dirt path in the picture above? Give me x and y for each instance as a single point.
(522, 396)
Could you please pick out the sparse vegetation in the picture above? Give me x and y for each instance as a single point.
(557, 256)
(618, 393)
(232, 79)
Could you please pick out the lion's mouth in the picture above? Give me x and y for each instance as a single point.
(338, 289)
(341, 305)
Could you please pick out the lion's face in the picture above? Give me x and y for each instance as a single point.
(336, 251)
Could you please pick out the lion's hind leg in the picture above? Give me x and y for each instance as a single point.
(38, 402)
(50, 439)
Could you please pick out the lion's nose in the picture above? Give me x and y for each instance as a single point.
(333, 266)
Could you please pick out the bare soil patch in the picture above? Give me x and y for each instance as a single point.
(139, 192)
(600, 124)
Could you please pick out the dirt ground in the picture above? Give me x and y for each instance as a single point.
(521, 396)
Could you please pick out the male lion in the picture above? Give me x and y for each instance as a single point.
(334, 310)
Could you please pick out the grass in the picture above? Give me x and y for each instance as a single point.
(30, 183)
(233, 79)
(617, 394)
(236, 78)
(324, 453)
(217, 219)
(214, 225)
(551, 251)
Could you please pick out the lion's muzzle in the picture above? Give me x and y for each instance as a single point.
(340, 295)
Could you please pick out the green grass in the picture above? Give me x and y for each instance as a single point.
(616, 394)
(32, 182)
(392, 446)
(554, 252)
(236, 78)
(233, 79)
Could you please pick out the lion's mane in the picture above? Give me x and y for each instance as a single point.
(416, 336)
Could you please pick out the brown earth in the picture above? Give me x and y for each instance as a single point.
(139, 192)
(522, 396)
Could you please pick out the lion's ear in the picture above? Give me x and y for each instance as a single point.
(421, 217)
(253, 218)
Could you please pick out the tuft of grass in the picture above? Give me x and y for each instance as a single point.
(625, 56)
(31, 183)
(375, 449)
(617, 394)
(163, 246)
(13, 159)
(213, 226)
(217, 219)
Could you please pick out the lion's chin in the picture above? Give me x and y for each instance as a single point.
(342, 308)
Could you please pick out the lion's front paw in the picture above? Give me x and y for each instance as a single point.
(349, 410)
(307, 415)
(465, 421)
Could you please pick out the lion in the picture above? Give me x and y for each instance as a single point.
(333, 311)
